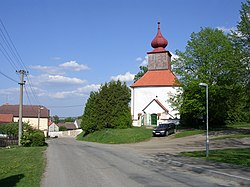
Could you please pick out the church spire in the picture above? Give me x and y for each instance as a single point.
(159, 42)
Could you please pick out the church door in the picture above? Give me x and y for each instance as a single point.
(154, 119)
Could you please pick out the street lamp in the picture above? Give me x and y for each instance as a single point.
(207, 140)
(39, 114)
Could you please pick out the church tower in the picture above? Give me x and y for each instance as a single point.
(151, 93)
(159, 58)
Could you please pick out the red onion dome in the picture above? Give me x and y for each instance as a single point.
(159, 41)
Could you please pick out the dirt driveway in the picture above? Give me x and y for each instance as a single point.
(173, 145)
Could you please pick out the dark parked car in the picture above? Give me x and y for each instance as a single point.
(164, 129)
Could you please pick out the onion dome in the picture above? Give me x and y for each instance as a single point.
(159, 42)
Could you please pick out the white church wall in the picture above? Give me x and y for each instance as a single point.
(142, 96)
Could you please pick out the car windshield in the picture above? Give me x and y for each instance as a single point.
(163, 125)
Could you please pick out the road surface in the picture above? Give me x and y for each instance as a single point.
(72, 163)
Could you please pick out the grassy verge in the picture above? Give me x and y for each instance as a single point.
(231, 156)
(21, 166)
(236, 136)
(118, 136)
(239, 125)
(188, 133)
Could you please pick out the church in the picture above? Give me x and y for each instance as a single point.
(150, 95)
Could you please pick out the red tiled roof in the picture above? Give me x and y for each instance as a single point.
(6, 118)
(157, 78)
(28, 110)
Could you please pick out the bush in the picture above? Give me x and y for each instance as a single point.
(32, 137)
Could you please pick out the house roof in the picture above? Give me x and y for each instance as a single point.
(28, 110)
(158, 102)
(6, 118)
(157, 78)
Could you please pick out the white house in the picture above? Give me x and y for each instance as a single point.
(150, 95)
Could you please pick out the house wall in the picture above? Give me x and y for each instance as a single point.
(142, 96)
(43, 125)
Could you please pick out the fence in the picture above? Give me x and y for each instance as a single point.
(7, 141)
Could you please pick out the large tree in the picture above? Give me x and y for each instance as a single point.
(210, 57)
(241, 41)
(107, 108)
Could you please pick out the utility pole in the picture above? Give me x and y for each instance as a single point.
(22, 82)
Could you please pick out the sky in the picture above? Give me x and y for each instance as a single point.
(71, 47)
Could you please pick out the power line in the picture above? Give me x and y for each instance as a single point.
(70, 106)
(10, 45)
(8, 77)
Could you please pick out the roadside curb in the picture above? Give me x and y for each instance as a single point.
(242, 180)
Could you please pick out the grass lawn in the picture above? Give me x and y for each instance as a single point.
(118, 136)
(239, 125)
(21, 166)
(236, 136)
(238, 156)
(188, 133)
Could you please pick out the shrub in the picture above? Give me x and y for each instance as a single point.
(32, 137)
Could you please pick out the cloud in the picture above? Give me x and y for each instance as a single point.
(144, 62)
(139, 59)
(55, 79)
(227, 30)
(79, 92)
(74, 66)
(47, 69)
(124, 78)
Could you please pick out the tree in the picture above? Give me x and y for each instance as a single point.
(143, 70)
(55, 119)
(69, 119)
(241, 41)
(107, 108)
(210, 57)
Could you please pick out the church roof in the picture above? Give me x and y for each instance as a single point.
(157, 78)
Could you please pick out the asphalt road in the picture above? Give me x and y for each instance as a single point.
(72, 163)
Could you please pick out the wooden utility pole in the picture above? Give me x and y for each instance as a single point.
(22, 82)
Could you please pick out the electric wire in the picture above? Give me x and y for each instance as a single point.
(8, 77)
(26, 92)
(10, 52)
(70, 106)
(10, 45)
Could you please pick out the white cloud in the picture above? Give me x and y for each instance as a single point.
(227, 30)
(74, 66)
(47, 69)
(144, 62)
(79, 92)
(138, 59)
(89, 88)
(55, 79)
(124, 78)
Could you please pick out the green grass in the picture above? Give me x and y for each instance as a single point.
(236, 136)
(231, 156)
(21, 166)
(118, 136)
(188, 133)
(239, 125)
